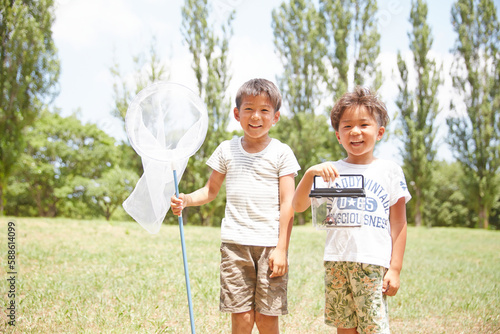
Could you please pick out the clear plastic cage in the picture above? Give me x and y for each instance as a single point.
(338, 204)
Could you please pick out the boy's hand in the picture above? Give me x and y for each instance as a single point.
(177, 204)
(278, 263)
(326, 170)
(391, 283)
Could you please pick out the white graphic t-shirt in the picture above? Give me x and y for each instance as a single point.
(384, 184)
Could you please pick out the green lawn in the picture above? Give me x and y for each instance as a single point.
(95, 277)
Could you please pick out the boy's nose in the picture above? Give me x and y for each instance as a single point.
(355, 131)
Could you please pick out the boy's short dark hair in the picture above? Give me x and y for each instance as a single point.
(256, 87)
(360, 97)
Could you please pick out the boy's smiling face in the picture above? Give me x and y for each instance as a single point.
(358, 133)
(256, 116)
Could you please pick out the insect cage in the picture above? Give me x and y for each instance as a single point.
(338, 204)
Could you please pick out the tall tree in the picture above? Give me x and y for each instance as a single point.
(208, 43)
(353, 44)
(418, 109)
(475, 135)
(300, 40)
(29, 70)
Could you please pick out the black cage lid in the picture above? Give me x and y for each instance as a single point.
(339, 192)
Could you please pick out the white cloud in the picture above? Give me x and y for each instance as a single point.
(82, 23)
(252, 58)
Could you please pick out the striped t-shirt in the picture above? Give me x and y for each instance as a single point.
(252, 190)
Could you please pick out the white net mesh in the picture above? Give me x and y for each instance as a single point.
(166, 123)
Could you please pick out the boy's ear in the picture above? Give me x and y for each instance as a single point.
(338, 137)
(276, 117)
(236, 113)
(381, 132)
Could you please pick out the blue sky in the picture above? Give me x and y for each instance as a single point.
(89, 34)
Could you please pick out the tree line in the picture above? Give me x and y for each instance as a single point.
(57, 166)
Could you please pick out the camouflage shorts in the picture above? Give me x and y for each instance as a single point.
(245, 282)
(354, 297)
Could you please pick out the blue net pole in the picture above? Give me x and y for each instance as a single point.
(184, 256)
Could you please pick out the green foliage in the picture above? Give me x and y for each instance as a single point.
(475, 136)
(29, 70)
(446, 202)
(299, 38)
(110, 190)
(418, 110)
(338, 17)
(60, 167)
(495, 215)
(366, 45)
(310, 145)
(353, 40)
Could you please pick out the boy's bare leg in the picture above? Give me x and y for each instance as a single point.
(267, 324)
(242, 323)
(347, 331)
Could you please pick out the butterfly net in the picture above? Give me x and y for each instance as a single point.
(166, 123)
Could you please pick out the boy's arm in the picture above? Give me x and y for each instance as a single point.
(278, 262)
(301, 199)
(398, 235)
(199, 197)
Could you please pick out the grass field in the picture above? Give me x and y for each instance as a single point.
(95, 277)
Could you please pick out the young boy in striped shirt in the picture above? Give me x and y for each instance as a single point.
(255, 231)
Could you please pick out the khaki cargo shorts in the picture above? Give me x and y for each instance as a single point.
(245, 282)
